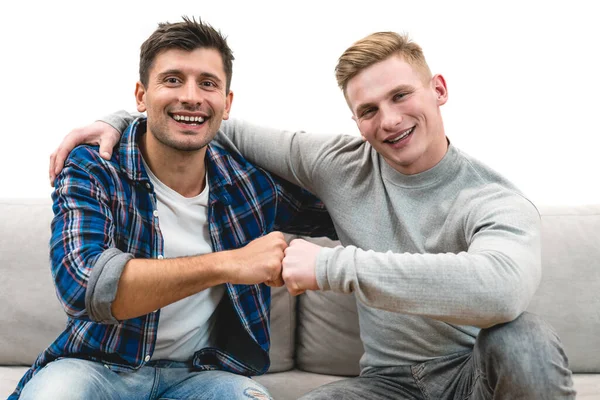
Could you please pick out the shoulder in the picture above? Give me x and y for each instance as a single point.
(86, 160)
(87, 156)
(482, 175)
(487, 189)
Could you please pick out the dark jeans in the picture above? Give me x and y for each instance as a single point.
(522, 359)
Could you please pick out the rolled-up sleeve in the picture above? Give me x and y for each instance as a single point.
(85, 264)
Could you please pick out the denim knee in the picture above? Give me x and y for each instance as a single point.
(65, 379)
(214, 385)
(526, 337)
(523, 359)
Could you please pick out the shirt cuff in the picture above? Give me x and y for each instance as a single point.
(103, 284)
(321, 267)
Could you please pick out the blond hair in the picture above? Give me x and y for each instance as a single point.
(375, 48)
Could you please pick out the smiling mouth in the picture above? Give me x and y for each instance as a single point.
(189, 120)
(401, 137)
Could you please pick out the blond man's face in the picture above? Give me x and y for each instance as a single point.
(397, 111)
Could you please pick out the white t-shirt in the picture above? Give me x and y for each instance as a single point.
(187, 325)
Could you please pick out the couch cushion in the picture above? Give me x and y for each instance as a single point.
(291, 385)
(30, 314)
(283, 330)
(328, 332)
(569, 294)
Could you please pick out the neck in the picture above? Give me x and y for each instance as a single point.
(182, 171)
(434, 154)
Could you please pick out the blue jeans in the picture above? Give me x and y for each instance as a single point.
(519, 360)
(70, 378)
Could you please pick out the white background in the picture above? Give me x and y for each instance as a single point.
(523, 76)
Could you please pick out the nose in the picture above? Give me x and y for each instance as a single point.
(191, 94)
(390, 119)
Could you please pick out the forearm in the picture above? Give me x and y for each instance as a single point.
(147, 285)
(465, 289)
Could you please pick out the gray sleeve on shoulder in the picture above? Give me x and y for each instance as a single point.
(120, 120)
(103, 283)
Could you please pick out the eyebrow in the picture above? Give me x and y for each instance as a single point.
(175, 71)
(399, 88)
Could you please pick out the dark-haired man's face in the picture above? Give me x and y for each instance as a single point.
(185, 98)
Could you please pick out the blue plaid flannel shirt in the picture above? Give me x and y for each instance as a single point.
(104, 205)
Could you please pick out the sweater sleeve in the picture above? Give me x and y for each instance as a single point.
(491, 282)
(290, 155)
(120, 120)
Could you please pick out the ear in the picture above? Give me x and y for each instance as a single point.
(438, 84)
(356, 121)
(140, 97)
(228, 101)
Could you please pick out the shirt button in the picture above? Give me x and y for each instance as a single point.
(160, 257)
(155, 213)
(148, 185)
(147, 358)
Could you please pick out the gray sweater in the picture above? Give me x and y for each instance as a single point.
(431, 258)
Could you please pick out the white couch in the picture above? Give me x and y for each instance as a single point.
(315, 336)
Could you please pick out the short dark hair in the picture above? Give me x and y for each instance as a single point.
(187, 35)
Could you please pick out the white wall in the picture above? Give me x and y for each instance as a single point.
(522, 76)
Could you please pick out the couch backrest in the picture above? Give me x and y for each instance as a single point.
(569, 294)
(30, 314)
(318, 331)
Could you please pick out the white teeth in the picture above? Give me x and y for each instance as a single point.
(188, 118)
(402, 136)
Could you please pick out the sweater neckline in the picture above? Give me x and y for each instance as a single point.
(443, 170)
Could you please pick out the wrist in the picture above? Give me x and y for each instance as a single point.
(220, 265)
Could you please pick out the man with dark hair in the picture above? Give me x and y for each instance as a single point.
(160, 254)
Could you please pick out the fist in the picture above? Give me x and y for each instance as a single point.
(299, 266)
(259, 261)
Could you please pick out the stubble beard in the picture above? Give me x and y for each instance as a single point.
(161, 134)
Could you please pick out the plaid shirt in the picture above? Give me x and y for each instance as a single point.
(107, 206)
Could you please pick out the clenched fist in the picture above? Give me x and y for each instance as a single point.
(259, 261)
(299, 266)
